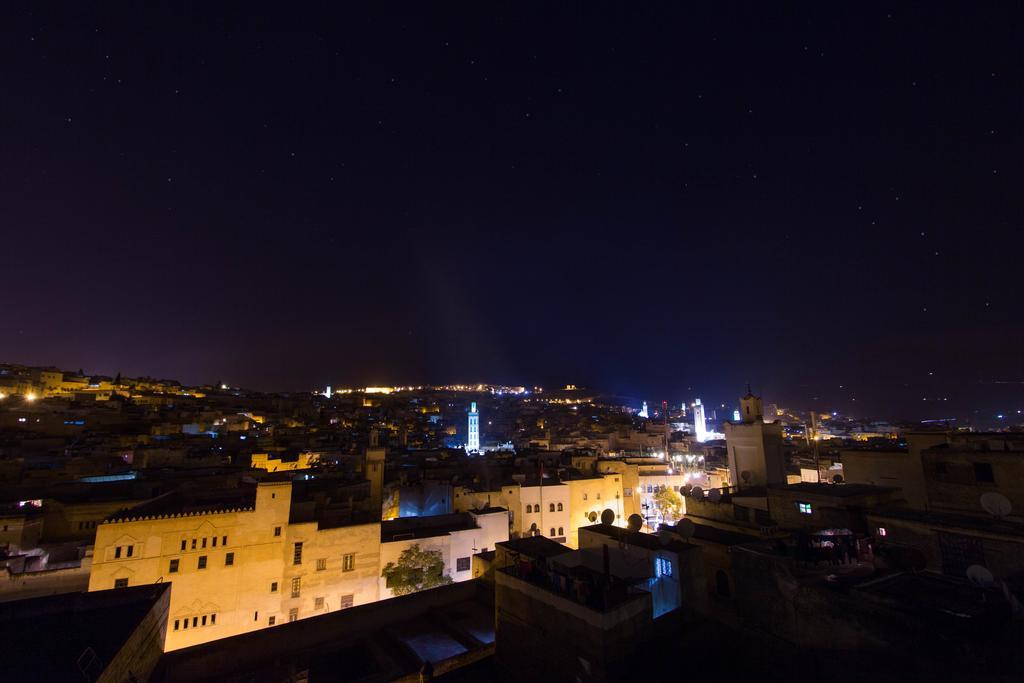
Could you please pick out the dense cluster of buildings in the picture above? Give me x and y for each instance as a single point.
(498, 532)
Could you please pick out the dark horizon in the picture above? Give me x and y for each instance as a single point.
(661, 202)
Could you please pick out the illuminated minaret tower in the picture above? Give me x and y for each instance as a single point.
(700, 429)
(473, 438)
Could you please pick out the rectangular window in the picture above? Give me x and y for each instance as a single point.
(347, 601)
(185, 624)
(202, 562)
(882, 531)
(296, 586)
(193, 544)
(348, 562)
(297, 554)
(120, 583)
(321, 564)
(183, 545)
(319, 603)
(213, 619)
(117, 552)
(662, 566)
(173, 569)
(983, 473)
(804, 508)
(584, 496)
(277, 531)
(224, 540)
(271, 621)
(293, 614)
(462, 564)
(204, 620)
(204, 541)
(273, 587)
(195, 622)
(255, 616)
(131, 549)
(177, 622)
(229, 559)
(598, 495)
(214, 541)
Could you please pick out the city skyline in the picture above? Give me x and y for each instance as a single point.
(675, 197)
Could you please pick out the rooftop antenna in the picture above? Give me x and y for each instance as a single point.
(996, 504)
(980, 576)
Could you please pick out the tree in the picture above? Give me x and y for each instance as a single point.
(415, 570)
(669, 503)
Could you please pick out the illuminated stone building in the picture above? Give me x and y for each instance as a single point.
(236, 562)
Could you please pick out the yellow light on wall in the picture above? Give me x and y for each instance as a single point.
(30, 396)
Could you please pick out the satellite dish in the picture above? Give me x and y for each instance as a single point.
(837, 479)
(996, 504)
(608, 517)
(592, 516)
(685, 490)
(685, 528)
(746, 476)
(697, 493)
(635, 522)
(714, 495)
(980, 576)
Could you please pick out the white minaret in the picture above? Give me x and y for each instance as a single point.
(700, 429)
(473, 438)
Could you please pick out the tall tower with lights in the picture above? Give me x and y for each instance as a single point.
(473, 438)
(700, 428)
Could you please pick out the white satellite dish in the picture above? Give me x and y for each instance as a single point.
(980, 576)
(685, 528)
(697, 493)
(714, 495)
(996, 504)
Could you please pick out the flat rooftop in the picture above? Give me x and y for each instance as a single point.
(405, 528)
(45, 637)
(834, 490)
(188, 502)
(450, 626)
(535, 546)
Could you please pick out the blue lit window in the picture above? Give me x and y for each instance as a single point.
(804, 508)
(662, 566)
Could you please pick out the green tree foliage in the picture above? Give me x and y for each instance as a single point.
(669, 504)
(415, 570)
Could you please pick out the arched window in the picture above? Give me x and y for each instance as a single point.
(551, 507)
(552, 532)
(559, 507)
(722, 584)
(561, 532)
(529, 509)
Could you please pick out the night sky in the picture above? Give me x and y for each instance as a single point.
(662, 201)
